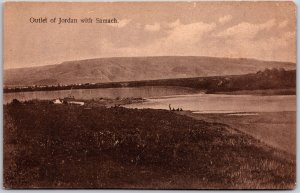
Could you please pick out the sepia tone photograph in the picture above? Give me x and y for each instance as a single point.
(149, 95)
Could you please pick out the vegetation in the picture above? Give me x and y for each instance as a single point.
(262, 80)
(277, 129)
(267, 79)
(67, 146)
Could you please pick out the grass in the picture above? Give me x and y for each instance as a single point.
(62, 146)
(277, 129)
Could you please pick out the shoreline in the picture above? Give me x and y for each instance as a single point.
(267, 79)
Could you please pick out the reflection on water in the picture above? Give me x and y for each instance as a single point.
(212, 103)
(145, 92)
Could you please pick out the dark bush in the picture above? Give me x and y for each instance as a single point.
(15, 102)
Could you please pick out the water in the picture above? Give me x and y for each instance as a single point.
(217, 103)
(178, 97)
(144, 92)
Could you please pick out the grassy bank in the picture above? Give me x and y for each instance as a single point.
(77, 147)
(277, 129)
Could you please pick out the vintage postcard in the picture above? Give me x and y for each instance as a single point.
(150, 95)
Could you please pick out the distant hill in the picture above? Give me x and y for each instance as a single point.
(135, 68)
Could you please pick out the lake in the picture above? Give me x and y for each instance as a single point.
(177, 97)
(218, 103)
(144, 92)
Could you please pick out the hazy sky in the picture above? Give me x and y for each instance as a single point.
(262, 30)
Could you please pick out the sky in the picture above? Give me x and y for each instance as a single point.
(260, 30)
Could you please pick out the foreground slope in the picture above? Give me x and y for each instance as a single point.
(75, 147)
(134, 69)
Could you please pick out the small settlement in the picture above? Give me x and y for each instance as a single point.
(67, 100)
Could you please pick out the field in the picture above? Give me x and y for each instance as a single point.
(67, 146)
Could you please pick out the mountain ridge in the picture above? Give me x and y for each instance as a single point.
(97, 70)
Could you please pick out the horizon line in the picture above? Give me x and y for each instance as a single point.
(109, 57)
